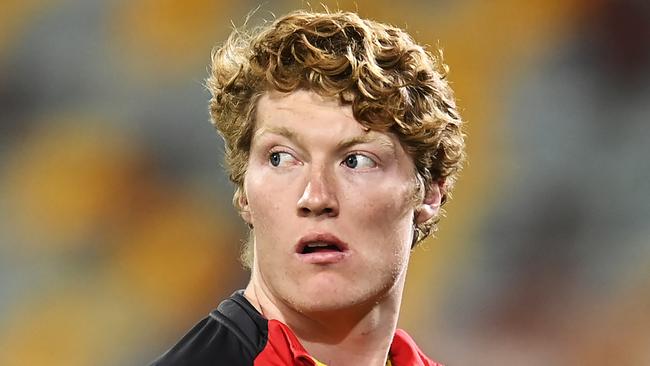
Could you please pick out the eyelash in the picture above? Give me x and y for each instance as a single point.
(344, 162)
(271, 154)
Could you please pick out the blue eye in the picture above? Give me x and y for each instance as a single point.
(275, 159)
(354, 161)
(280, 158)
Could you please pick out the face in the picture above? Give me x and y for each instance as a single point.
(331, 204)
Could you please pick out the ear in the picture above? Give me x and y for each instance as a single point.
(430, 205)
(244, 208)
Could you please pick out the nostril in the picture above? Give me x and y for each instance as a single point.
(304, 210)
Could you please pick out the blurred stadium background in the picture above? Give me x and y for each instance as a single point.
(117, 232)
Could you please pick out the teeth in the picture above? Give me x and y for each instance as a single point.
(317, 245)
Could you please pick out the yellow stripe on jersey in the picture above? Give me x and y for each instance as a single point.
(318, 363)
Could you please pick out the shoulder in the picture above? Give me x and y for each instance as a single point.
(233, 334)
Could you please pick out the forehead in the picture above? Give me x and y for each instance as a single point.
(303, 104)
(308, 113)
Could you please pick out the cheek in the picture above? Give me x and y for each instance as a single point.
(382, 205)
(383, 217)
(264, 210)
(269, 204)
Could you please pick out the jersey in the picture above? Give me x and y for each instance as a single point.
(236, 334)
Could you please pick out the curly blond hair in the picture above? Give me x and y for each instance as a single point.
(391, 83)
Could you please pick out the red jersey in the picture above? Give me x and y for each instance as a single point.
(236, 334)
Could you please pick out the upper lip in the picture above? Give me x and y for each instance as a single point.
(322, 238)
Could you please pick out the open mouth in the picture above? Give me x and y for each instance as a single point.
(320, 247)
(320, 243)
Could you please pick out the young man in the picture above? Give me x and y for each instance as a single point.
(343, 141)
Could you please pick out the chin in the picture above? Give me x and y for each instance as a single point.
(328, 304)
(321, 305)
(330, 297)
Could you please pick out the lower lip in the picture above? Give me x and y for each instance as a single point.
(322, 257)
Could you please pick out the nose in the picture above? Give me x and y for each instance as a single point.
(319, 196)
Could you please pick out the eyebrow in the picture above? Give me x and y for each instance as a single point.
(347, 143)
(282, 131)
(366, 138)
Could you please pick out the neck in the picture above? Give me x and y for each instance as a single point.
(359, 335)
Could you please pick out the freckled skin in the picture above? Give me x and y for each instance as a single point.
(312, 190)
